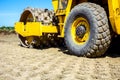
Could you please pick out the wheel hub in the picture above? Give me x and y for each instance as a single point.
(80, 31)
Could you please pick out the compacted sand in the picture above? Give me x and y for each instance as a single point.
(19, 63)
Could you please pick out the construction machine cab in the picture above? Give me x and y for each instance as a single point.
(62, 4)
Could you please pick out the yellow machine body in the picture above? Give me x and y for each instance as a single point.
(114, 15)
(83, 26)
(36, 28)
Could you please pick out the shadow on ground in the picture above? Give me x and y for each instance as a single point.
(114, 49)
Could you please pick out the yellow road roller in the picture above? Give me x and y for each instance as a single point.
(83, 26)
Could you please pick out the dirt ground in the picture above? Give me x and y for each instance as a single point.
(18, 63)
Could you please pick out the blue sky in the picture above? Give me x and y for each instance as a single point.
(10, 10)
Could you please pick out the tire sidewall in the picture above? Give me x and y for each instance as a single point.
(88, 15)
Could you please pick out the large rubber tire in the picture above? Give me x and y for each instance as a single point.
(99, 37)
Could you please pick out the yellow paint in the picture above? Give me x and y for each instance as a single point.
(34, 29)
(49, 29)
(114, 12)
(20, 28)
(78, 22)
(62, 15)
(55, 4)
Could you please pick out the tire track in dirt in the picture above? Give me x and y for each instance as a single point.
(56, 68)
(115, 69)
(18, 63)
(101, 70)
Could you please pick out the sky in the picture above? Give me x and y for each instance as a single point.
(10, 10)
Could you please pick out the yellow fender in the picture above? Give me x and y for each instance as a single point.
(114, 12)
